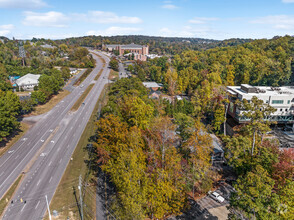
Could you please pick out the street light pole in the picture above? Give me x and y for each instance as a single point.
(48, 207)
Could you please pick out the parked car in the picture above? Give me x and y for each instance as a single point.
(217, 197)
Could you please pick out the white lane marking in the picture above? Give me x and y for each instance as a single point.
(16, 157)
(58, 149)
(2, 173)
(23, 207)
(50, 163)
(37, 204)
(60, 160)
(38, 182)
(50, 179)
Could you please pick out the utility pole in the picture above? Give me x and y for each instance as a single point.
(22, 52)
(81, 197)
(48, 207)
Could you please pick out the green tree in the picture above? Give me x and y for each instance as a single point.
(113, 64)
(9, 110)
(254, 195)
(39, 97)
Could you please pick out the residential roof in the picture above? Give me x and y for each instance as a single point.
(48, 46)
(152, 84)
(28, 79)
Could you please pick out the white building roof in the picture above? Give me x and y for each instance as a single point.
(28, 79)
(264, 91)
(152, 84)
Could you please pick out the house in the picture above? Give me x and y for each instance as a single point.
(47, 46)
(281, 98)
(153, 56)
(28, 82)
(155, 94)
(153, 86)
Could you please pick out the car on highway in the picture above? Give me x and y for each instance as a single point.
(216, 196)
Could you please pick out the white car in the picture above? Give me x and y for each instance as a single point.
(217, 197)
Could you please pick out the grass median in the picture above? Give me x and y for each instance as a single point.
(98, 75)
(64, 200)
(83, 76)
(82, 98)
(41, 109)
(8, 195)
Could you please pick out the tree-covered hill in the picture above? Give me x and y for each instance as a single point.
(159, 45)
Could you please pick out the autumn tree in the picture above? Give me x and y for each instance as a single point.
(198, 149)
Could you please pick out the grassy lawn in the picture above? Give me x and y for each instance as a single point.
(82, 98)
(22, 130)
(64, 200)
(7, 197)
(41, 109)
(113, 75)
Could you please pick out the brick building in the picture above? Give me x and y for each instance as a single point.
(130, 48)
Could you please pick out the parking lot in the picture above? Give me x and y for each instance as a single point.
(215, 208)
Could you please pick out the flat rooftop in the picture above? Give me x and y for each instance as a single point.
(264, 90)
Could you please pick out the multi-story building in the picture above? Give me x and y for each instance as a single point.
(140, 50)
(281, 98)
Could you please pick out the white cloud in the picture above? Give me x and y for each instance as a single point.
(28, 4)
(7, 26)
(112, 31)
(104, 17)
(50, 36)
(6, 29)
(186, 31)
(285, 22)
(166, 32)
(48, 19)
(288, 1)
(202, 20)
(169, 6)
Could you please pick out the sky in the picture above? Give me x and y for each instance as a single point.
(212, 19)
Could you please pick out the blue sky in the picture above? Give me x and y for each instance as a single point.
(213, 19)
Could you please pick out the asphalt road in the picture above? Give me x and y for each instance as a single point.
(59, 132)
(70, 86)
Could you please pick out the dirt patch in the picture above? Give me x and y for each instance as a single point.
(220, 212)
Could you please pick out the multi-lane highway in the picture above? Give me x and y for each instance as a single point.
(46, 150)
